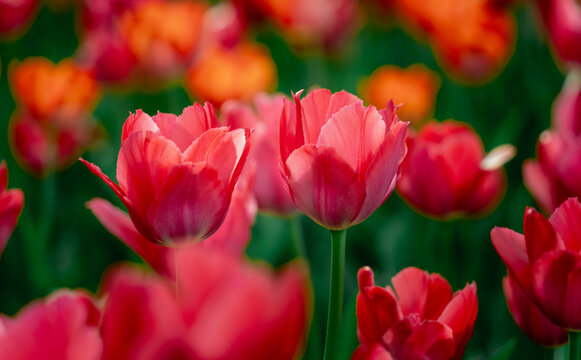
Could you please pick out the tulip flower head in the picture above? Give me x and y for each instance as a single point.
(176, 174)
(545, 261)
(420, 318)
(11, 202)
(340, 158)
(446, 172)
(15, 16)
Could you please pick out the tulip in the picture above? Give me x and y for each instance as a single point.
(562, 19)
(238, 72)
(15, 15)
(545, 261)
(63, 326)
(232, 236)
(222, 309)
(176, 174)
(556, 173)
(270, 188)
(420, 318)
(529, 318)
(446, 173)
(414, 87)
(11, 202)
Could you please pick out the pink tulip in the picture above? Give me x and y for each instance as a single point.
(529, 317)
(232, 236)
(340, 158)
(221, 309)
(15, 15)
(63, 326)
(176, 173)
(11, 202)
(270, 188)
(447, 174)
(562, 19)
(420, 318)
(545, 262)
(556, 174)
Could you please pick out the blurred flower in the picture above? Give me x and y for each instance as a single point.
(472, 39)
(340, 158)
(52, 124)
(419, 318)
(232, 236)
(562, 19)
(11, 202)
(307, 22)
(414, 87)
(62, 326)
(446, 172)
(163, 48)
(45, 89)
(529, 318)
(237, 72)
(556, 174)
(99, 14)
(545, 261)
(15, 16)
(221, 308)
(224, 24)
(176, 174)
(270, 188)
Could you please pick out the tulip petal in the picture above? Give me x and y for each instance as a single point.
(119, 224)
(557, 287)
(567, 222)
(319, 105)
(380, 177)
(460, 315)
(487, 192)
(529, 317)
(189, 191)
(291, 130)
(144, 162)
(541, 185)
(375, 352)
(539, 235)
(324, 187)
(11, 202)
(430, 340)
(511, 247)
(3, 176)
(138, 122)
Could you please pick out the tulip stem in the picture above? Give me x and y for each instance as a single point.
(574, 345)
(297, 236)
(335, 294)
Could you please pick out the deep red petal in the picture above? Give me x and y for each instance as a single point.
(539, 235)
(511, 247)
(11, 202)
(567, 223)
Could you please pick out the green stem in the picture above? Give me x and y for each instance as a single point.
(574, 345)
(335, 294)
(297, 236)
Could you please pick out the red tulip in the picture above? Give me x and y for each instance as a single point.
(446, 173)
(221, 309)
(15, 15)
(270, 188)
(11, 202)
(562, 19)
(176, 173)
(419, 318)
(529, 318)
(545, 262)
(63, 326)
(232, 236)
(340, 158)
(556, 174)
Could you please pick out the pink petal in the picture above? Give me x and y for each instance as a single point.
(324, 187)
(144, 162)
(430, 340)
(487, 192)
(411, 285)
(540, 184)
(374, 352)
(356, 133)
(120, 225)
(460, 315)
(380, 177)
(529, 317)
(557, 287)
(567, 222)
(291, 128)
(539, 235)
(191, 203)
(511, 247)
(11, 202)
(137, 122)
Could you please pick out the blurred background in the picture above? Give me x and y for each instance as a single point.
(495, 72)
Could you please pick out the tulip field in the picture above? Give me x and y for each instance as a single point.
(307, 179)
